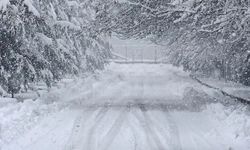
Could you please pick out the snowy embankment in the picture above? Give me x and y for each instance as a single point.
(232, 88)
(17, 118)
(138, 106)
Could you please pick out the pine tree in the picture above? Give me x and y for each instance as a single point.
(45, 40)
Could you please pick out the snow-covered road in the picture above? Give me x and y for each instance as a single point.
(138, 107)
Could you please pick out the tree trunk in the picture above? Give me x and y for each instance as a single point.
(12, 95)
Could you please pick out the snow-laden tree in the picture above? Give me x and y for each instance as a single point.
(219, 33)
(45, 40)
(202, 35)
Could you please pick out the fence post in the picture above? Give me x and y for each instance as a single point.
(133, 56)
(155, 55)
(142, 55)
(126, 53)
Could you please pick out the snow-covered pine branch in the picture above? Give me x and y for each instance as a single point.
(38, 41)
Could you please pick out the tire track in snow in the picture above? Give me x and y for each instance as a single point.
(78, 129)
(156, 128)
(133, 134)
(142, 137)
(162, 132)
(174, 131)
(114, 130)
(91, 134)
(70, 144)
(153, 139)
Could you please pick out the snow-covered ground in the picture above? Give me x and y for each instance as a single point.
(127, 107)
(233, 88)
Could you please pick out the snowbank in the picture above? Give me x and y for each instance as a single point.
(235, 121)
(6, 101)
(230, 87)
(17, 118)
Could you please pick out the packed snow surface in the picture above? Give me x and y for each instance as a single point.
(127, 107)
